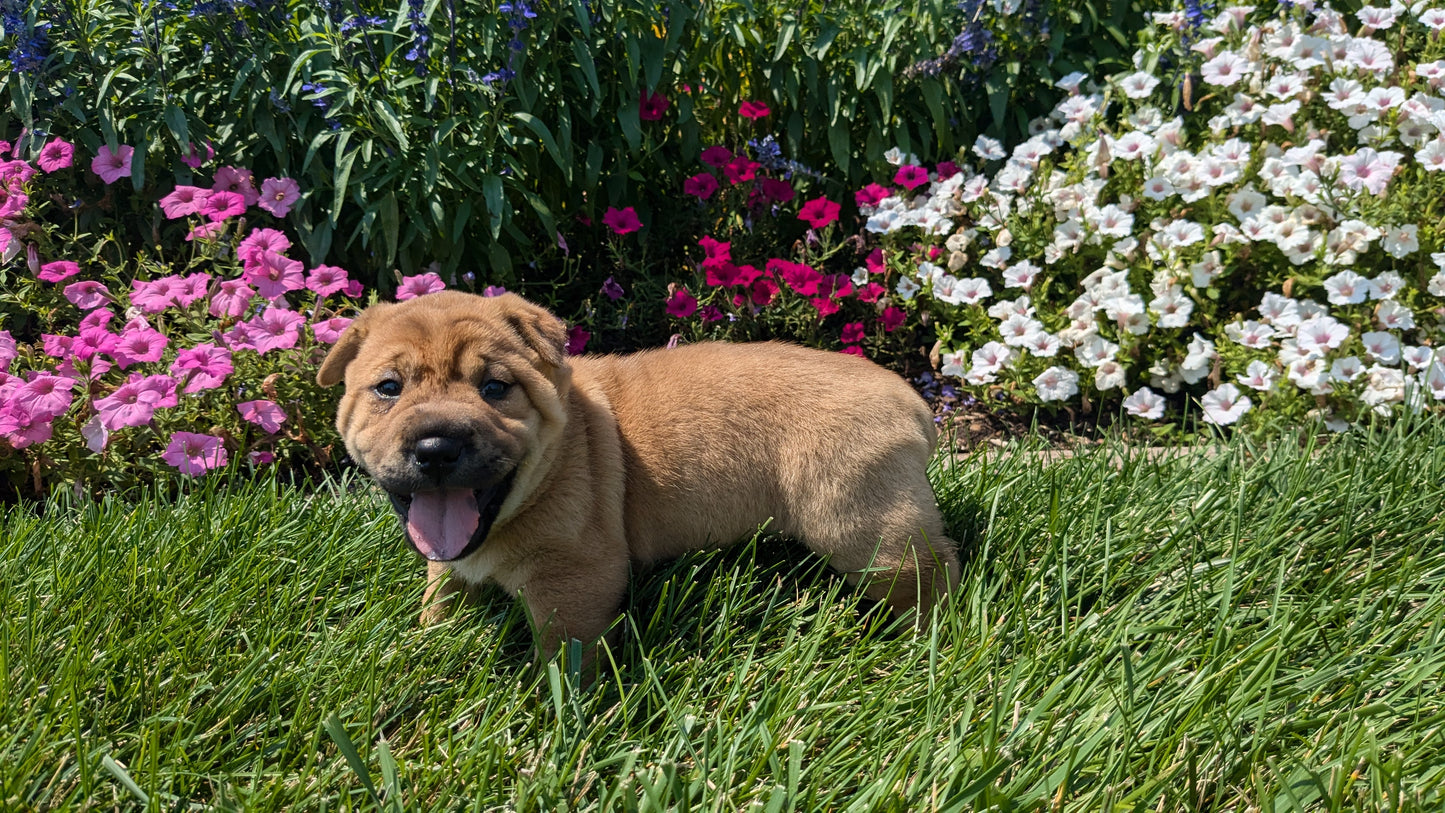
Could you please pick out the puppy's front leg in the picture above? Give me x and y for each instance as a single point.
(577, 602)
(445, 593)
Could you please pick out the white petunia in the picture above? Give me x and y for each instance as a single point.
(973, 290)
(1318, 335)
(1173, 308)
(952, 365)
(1383, 386)
(1433, 381)
(1399, 241)
(1436, 285)
(1347, 369)
(1145, 403)
(989, 149)
(1224, 405)
(1020, 275)
(1417, 357)
(1251, 334)
(906, 288)
(1138, 85)
(1347, 288)
(1258, 376)
(1225, 69)
(1382, 347)
(1057, 384)
(992, 357)
(1017, 329)
(1391, 315)
(1095, 351)
(1041, 343)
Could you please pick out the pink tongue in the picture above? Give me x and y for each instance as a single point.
(441, 523)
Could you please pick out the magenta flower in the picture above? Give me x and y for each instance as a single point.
(826, 306)
(183, 201)
(741, 169)
(263, 413)
(261, 457)
(274, 329)
(328, 331)
(762, 291)
(681, 304)
(871, 292)
(716, 156)
(237, 180)
(20, 428)
(203, 367)
(489, 291)
(819, 212)
(776, 190)
(12, 200)
(195, 454)
(871, 195)
(701, 185)
(275, 274)
(193, 157)
(419, 285)
(193, 287)
(260, 241)
(911, 176)
(710, 313)
(8, 350)
(56, 155)
(801, 278)
(57, 271)
(946, 170)
(326, 280)
(112, 166)
(854, 350)
(621, 221)
(875, 261)
(577, 338)
(853, 333)
(753, 110)
(223, 205)
(231, 299)
(651, 106)
(893, 318)
(137, 344)
(716, 249)
(56, 346)
(722, 272)
(278, 195)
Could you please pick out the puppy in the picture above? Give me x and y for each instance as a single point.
(507, 461)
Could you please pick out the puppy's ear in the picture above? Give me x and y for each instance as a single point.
(538, 327)
(333, 368)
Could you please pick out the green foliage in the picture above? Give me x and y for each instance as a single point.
(413, 149)
(1251, 626)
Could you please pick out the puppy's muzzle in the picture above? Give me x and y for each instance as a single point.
(437, 456)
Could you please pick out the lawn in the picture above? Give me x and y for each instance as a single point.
(1262, 626)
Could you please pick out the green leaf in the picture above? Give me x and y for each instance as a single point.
(496, 201)
(631, 126)
(176, 121)
(393, 124)
(786, 32)
(344, 160)
(337, 732)
(589, 69)
(545, 136)
(138, 164)
(390, 227)
(841, 145)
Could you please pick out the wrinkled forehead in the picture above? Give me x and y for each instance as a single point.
(439, 345)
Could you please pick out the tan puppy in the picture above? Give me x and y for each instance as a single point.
(508, 461)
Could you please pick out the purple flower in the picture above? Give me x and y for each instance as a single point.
(419, 285)
(263, 413)
(203, 367)
(613, 290)
(87, 295)
(195, 454)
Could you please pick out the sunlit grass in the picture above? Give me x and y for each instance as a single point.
(1264, 626)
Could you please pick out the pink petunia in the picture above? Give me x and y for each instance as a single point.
(260, 241)
(223, 205)
(762, 291)
(716, 156)
(946, 170)
(911, 176)
(193, 454)
(138, 344)
(893, 318)
(135, 402)
(753, 110)
(274, 329)
(231, 299)
(826, 306)
(681, 304)
(92, 341)
(20, 428)
(206, 231)
(265, 414)
(8, 350)
(852, 333)
(871, 195)
(45, 396)
(193, 157)
(157, 295)
(203, 367)
(237, 180)
(622, 221)
(56, 155)
(701, 185)
(112, 166)
(56, 346)
(875, 261)
(419, 285)
(577, 337)
(854, 350)
(261, 457)
(871, 292)
(193, 287)
(58, 270)
(326, 280)
(278, 195)
(329, 330)
(819, 212)
(651, 106)
(183, 201)
(722, 272)
(274, 274)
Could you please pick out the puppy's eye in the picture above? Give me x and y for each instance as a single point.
(390, 388)
(494, 390)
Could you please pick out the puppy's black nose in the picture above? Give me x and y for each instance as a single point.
(437, 455)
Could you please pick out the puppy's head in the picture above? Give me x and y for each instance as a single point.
(449, 397)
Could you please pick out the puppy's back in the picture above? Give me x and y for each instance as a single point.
(717, 438)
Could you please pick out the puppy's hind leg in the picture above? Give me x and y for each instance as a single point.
(445, 594)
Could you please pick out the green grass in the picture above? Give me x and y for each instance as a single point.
(1262, 627)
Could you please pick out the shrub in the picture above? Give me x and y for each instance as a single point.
(1268, 250)
(475, 135)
